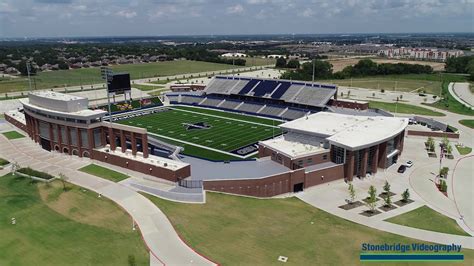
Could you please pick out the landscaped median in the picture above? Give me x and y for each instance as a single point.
(103, 172)
(13, 135)
(403, 108)
(233, 230)
(427, 219)
(35, 175)
(3, 162)
(44, 224)
(467, 122)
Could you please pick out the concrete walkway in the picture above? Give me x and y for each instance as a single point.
(461, 92)
(315, 197)
(159, 235)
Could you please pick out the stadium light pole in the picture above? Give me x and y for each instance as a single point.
(28, 69)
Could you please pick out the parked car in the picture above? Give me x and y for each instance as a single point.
(402, 169)
(409, 164)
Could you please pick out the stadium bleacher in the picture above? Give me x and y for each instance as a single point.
(292, 114)
(188, 99)
(272, 110)
(264, 87)
(229, 104)
(250, 107)
(211, 102)
(270, 97)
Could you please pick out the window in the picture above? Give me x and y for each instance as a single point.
(309, 160)
(325, 157)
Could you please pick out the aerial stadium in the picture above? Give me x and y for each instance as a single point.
(240, 135)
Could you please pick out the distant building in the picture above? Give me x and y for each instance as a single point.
(234, 55)
(11, 71)
(431, 54)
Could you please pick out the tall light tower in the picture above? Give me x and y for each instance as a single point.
(28, 69)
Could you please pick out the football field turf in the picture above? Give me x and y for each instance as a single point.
(208, 133)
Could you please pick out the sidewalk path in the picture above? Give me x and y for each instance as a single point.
(158, 233)
(461, 92)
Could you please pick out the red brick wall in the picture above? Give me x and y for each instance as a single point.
(346, 104)
(16, 123)
(433, 134)
(324, 175)
(141, 167)
(277, 184)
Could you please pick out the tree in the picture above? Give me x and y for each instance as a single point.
(449, 149)
(351, 192)
(406, 195)
(22, 67)
(443, 172)
(386, 187)
(372, 199)
(388, 200)
(63, 179)
(63, 65)
(280, 62)
(293, 63)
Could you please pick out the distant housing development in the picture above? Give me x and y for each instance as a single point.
(433, 54)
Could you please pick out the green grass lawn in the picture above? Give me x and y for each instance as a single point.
(463, 150)
(224, 133)
(147, 87)
(449, 103)
(428, 219)
(3, 162)
(430, 83)
(13, 135)
(403, 108)
(103, 172)
(234, 230)
(83, 76)
(54, 227)
(467, 122)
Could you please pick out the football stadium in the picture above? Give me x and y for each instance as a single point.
(240, 135)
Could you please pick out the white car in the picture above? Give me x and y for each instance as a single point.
(409, 164)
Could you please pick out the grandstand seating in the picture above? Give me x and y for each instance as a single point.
(292, 91)
(272, 110)
(229, 104)
(173, 98)
(249, 86)
(190, 99)
(281, 90)
(264, 87)
(292, 114)
(250, 107)
(315, 96)
(211, 102)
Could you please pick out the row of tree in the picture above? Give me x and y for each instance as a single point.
(283, 63)
(463, 64)
(365, 67)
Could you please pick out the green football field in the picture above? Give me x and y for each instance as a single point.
(207, 133)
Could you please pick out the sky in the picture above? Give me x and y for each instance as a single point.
(69, 18)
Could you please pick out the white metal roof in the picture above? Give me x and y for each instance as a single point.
(57, 95)
(348, 131)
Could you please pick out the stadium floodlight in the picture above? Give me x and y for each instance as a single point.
(28, 70)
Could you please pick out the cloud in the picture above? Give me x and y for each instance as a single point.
(308, 12)
(127, 14)
(236, 9)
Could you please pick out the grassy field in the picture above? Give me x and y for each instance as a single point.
(13, 135)
(83, 76)
(224, 133)
(430, 83)
(103, 172)
(403, 108)
(467, 122)
(427, 219)
(54, 227)
(449, 103)
(235, 230)
(463, 150)
(147, 87)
